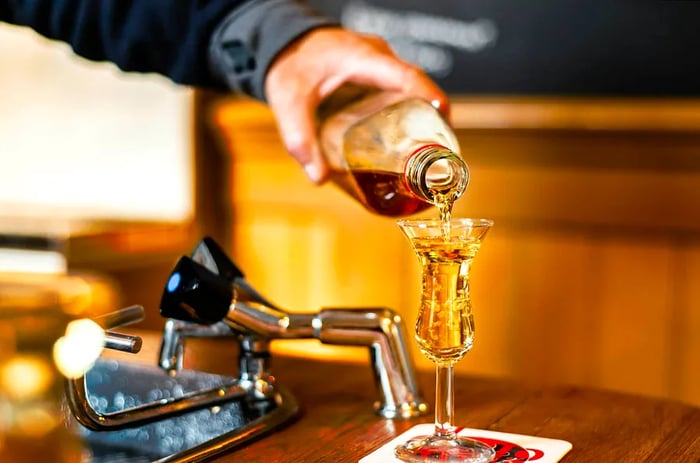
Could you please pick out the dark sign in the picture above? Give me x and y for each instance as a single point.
(574, 47)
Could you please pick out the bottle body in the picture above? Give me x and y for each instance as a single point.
(393, 154)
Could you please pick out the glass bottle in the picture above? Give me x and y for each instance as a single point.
(394, 154)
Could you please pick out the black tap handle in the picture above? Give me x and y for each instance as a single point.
(195, 294)
(209, 254)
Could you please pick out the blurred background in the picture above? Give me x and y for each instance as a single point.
(581, 127)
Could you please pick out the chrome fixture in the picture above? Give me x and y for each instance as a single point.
(208, 296)
(130, 409)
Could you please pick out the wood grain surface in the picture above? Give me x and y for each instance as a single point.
(338, 424)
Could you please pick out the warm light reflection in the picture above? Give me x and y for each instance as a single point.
(76, 352)
(27, 400)
(26, 377)
(35, 310)
(77, 295)
(35, 421)
(314, 349)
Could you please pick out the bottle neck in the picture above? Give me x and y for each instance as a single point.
(436, 171)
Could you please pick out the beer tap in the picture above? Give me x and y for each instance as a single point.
(205, 300)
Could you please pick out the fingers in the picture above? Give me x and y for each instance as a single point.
(294, 113)
(369, 60)
(316, 65)
(387, 72)
(291, 90)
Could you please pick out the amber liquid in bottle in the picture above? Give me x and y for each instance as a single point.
(381, 192)
(386, 150)
(397, 194)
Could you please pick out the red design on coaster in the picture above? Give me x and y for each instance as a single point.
(508, 452)
(510, 448)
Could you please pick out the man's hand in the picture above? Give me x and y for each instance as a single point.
(317, 64)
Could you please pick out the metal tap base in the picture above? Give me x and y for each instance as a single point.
(192, 436)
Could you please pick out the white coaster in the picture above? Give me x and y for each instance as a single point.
(511, 448)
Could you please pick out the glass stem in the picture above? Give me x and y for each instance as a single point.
(444, 402)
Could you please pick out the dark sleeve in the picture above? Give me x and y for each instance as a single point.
(174, 38)
(246, 42)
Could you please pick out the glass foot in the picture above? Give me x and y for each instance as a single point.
(434, 448)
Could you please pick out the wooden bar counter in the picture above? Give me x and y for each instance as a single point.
(337, 422)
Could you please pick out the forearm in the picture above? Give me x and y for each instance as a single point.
(196, 43)
(160, 36)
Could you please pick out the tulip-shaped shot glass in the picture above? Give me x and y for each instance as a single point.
(445, 328)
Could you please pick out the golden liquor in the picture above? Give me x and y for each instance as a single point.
(445, 325)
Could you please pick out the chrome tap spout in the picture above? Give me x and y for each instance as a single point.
(195, 294)
(78, 399)
(382, 330)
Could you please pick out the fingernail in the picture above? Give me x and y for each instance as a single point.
(312, 172)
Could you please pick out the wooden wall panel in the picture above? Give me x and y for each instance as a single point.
(684, 348)
(631, 201)
(634, 302)
(588, 277)
(552, 307)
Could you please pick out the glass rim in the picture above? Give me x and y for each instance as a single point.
(454, 222)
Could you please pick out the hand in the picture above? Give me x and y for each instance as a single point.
(317, 64)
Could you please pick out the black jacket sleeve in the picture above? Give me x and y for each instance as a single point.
(220, 44)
